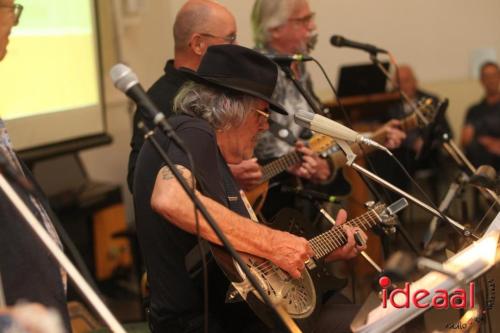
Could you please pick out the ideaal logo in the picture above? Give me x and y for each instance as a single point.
(440, 299)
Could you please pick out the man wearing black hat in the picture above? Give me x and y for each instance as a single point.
(220, 115)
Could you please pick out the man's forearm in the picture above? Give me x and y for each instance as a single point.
(245, 235)
(170, 200)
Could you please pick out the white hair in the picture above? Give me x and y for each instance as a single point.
(222, 108)
(270, 14)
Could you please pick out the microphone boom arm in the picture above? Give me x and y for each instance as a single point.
(350, 158)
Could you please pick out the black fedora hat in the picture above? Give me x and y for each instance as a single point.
(239, 69)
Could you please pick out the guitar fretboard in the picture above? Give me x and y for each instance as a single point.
(336, 237)
(281, 164)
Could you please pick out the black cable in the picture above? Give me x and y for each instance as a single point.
(441, 215)
(370, 186)
(181, 145)
(484, 216)
(202, 253)
(394, 158)
(168, 131)
(415, 109)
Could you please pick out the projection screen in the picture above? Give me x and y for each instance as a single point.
(51, 86)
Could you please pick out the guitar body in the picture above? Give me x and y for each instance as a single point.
(338, 187)
(294, 222)
(301, 298)
(258, 195)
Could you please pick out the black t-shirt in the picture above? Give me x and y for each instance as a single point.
(174, 293)
(485, 118)
(162, 93)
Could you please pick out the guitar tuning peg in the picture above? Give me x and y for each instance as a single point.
(369, 204)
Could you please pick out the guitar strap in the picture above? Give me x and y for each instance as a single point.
(234, 200)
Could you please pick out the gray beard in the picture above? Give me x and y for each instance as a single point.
(311, 43)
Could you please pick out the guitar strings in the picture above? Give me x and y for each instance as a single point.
(338, 232)
(272, 169)
(322, 241)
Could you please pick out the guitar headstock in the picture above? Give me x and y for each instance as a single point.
(428, 109)
(322, 145)
(387, 214)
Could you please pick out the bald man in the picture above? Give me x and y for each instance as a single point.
(409, 85)
(198, 24)
(410, 153)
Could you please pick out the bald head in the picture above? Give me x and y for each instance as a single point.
(407, 80)
(202, 17)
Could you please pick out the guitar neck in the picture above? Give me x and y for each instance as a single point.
(335, 238)
(279, 165)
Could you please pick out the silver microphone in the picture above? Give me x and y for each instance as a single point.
(326, 126)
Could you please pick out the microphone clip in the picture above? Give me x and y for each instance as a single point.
(344, 146)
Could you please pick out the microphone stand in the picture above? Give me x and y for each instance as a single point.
(314, 107)
(350, 162)
(455, 188)
(290, 75)
(61, 258)
(148, 135)
(448, 144)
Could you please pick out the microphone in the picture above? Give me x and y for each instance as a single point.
(127, 81)
(287, 59)
(340, 41)
(326, 126)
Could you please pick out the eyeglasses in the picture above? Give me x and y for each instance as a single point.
(231, 39)
(264, 113)
(304, 20)
(17, 8)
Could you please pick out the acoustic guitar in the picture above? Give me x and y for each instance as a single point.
(326, 147)
(301, 298)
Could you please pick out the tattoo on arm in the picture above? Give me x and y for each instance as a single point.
(167, 174)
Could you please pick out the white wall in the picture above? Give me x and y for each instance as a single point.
(436, 37)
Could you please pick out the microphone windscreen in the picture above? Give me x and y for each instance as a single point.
(123, 78)
(303, 118)
(337, 40)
